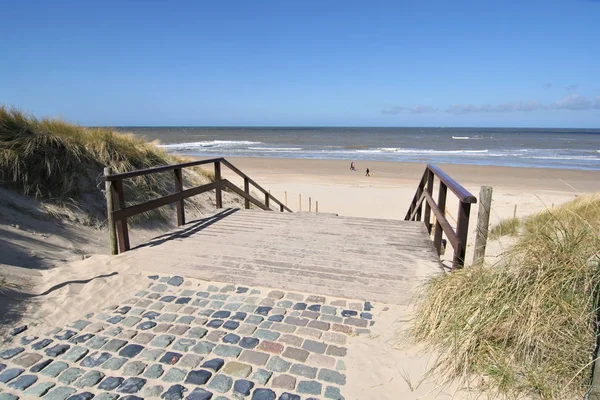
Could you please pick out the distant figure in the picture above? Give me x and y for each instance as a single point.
(368, 172)
(352, 168)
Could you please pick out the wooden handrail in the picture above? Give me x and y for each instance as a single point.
(118, 213)
(424, 194)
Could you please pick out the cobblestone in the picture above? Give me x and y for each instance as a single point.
(237, 369)
(309, 387)
(304, 371)
(284, 381)
(278, 364)
(254, 357)
(221, 383)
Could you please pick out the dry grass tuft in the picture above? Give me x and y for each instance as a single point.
(61, 162)
(509, 226)
(529, 325)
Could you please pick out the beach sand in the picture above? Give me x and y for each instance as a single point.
(63, 294)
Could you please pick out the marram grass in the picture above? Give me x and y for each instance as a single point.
(509, 226)
(527, 326)
(60, 162)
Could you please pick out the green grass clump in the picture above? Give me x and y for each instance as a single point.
(61, 162)
(528, 325)
(506, 227)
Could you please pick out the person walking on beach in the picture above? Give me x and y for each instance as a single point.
(368, 172)
(352, 168)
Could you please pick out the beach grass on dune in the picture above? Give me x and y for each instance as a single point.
(506, 227)
(527, 325)
(62, 162)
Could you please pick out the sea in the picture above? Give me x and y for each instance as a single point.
(577, 149)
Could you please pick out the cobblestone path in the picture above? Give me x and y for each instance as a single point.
(184, 338)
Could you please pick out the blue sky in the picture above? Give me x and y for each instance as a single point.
(335, 63)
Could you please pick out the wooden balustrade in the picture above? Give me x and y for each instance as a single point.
(424, 198)
(118, 213)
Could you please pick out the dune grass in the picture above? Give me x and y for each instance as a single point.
(528, 326)
(506, 227)
(62, 162)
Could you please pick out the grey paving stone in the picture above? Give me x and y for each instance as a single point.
(56, 350)
(224, 350)
(175, 281)
(90, 379)
(66, 335)
(106, 396)
(114, 319)
(114, 363)
(8, 396)
(54, 369)
(151, 354)
(261, 376)
(266, 334)
(114, 344)
(232, 306)
(231, 338)
(331, 376)
(324, 326)
(249, 342)
(130, 321)
(231, 325)
(236, 369)
(248, 308)
(217, 304)
(137, 311)
(199, 394)
(332, 392)
(267, 303)
(254, 319)
(197, 332)
(183, 344)
(263, 394)
(155, 371)
(179, 329)
(285, 303)
(266, 325)
(25, 340)
(70, 375)
(278, 364)
(131, 385)
(310, 314)
(246, 329)
(40, 389)
(336, 351)
(296, 354)
(131, 350)
(276, 318)
(284, 381)
(114, 331)
(162, 341)
(310, 332)
(134, 368)
(228, 288)
(59, 393)
(284, 328)
(160, 288)
(214, 364)
(41, 344)
(296, 321)
(143, 338)
(215, 336)
(299, 306)
(243, 387)
(289, 396)
(183, 300)
(190, 361)
(152, 391)
(215, 323)
(304, 370)
(167, 318)
(203, 348)
(95, 359)
(360, 322)
(96, 342)
(309, 387)
(241, 289)
(254, 357)
(203, 295)
(200, 302)
(263, 310)
(174, 375)
(95, 327)
(175, 392)
(27, 359)
(221, 383)
(314, 347)
(111, 383)
(54, 331)
(341, 365)
(40, 366)
(81, 338)
(170, 358)
(219, 296)
(186, 319)
(23, 382)
(75, 354)
(349, 313)
(198, 377)
(151, 315)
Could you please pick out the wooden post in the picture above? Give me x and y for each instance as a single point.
(119, 204)
(437, 237)
(247, 191)
(515, 212)
(309, 204)
(285, 198)
(429, 189)
(180, 204)
(317, 206)
(281, 208)
(462, 230)
(300, 201)
(483, 222)
(267, 199)
(219, 195)
(109, 210)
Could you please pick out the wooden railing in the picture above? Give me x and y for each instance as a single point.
(424, 194)
(118, 213)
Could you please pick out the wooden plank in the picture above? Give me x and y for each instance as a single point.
(179, 188)
(164, 168)
(463, 194)
(219, 195)
(112, 234)
(462, 230)
(121, 221)
(483, 222)
(246, 193)
(443, 225)
(163, 201)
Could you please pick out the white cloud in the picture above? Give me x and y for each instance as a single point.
(516, 106)
(409, 110)
(573, 102)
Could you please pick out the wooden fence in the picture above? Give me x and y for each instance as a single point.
(424, 194)
(118, 213)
